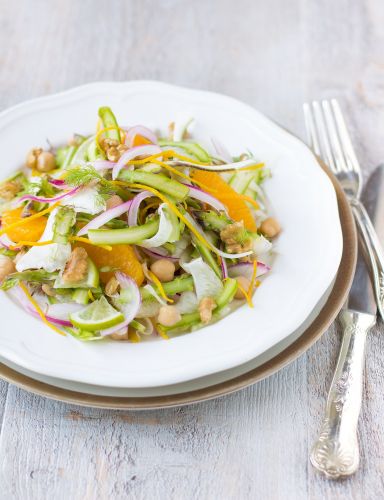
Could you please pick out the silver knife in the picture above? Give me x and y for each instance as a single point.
(336, 451)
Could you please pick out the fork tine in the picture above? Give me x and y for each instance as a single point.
(337, 148)
(322, 128)
(312, 135)
(345, 137)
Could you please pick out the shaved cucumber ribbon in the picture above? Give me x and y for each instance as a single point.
(219, 252)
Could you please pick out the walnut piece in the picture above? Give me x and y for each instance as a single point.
(8, 190)
(112, 148)
(112, 287)
(77, 266)
(236, 238)
(206, 306)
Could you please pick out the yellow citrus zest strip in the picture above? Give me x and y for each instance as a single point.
(247, 296)
(145, 160)
(251, 167)
(89, 242)
(112, 127)
(186, 158)
(28, 219)
(253, 279)
(191, 160)
(180, 174)
(161, 331)
(249, 200)
(38, 310)
(157, 282)
(133, 336)
(30, 244)
(90, 295)
(174, 209)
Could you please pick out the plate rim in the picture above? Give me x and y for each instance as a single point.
(121, 85)
(314, 331)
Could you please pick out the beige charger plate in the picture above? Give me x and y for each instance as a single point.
(320, 324)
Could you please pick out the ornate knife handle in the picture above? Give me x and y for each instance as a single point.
(374, 251)
(336, 452)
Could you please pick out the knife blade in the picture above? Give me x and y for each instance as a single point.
(361, 297)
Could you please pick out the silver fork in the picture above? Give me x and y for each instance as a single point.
(336, 451)
(329, 139)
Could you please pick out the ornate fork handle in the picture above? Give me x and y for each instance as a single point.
(374, 251)
(336, 452)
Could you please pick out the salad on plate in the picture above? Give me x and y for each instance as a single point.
(130, 233)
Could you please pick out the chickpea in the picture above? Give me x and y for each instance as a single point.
(120, 335)
(114, 201)
(206, 306)
(270, 227)
(7, 267)
(244, 283)
(168, 315)
(45, 162)
(31, 160)
(164, 269)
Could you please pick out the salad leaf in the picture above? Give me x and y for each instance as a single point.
(35, 276)
(206, 282)
(64, 221)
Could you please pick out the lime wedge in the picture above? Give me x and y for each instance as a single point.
(97, 316)
(90, 281)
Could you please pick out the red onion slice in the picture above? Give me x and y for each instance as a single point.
(131, 154)
(246, 269)
(204, 197)
(158, 254)
(134, 208)
(224, 268)
(139, 130)
(131, 308)
(41, 199)
(105, 217)
(6, 242)
(58, 183)
(103, 164)
(56, 313)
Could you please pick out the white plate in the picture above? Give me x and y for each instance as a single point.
(182, 387)
(309, 248)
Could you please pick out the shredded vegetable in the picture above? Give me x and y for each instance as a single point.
(132, 232)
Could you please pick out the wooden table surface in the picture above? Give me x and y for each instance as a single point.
(273, 55)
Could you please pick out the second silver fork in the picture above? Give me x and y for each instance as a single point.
(330, 140)
(336, 451)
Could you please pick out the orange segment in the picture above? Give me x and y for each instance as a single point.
(139, 140)
(30, 231)
(237, 208)
(121, 257)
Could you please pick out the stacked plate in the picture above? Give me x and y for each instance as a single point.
(296, 303)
